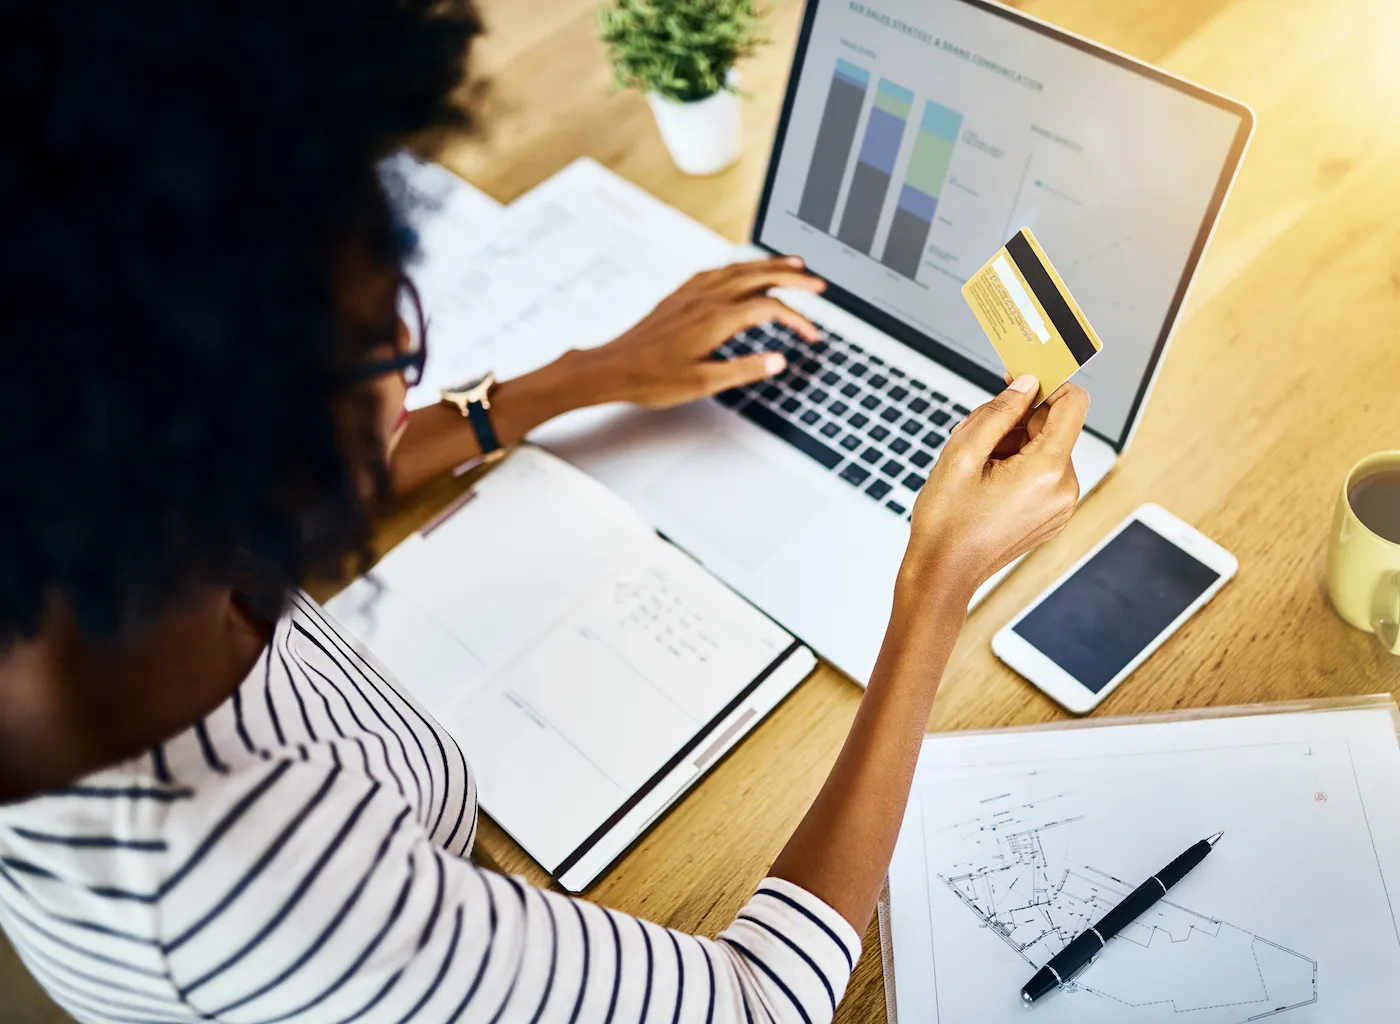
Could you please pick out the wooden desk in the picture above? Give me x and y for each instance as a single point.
(1285, 370)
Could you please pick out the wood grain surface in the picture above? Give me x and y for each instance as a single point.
(1286, 369)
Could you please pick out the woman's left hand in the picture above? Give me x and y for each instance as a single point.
(667, 358)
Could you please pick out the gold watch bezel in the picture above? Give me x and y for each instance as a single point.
(476, 390)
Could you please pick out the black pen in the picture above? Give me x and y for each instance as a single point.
(1069, 961)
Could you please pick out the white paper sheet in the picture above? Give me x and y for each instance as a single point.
(571, 264)
(570, 650)
(1015, 843)
(434, 199)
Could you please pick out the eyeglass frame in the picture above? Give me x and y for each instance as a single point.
(409, 364)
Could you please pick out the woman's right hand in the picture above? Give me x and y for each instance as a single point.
(1003, 485)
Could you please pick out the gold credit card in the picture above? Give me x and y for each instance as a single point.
(1029, 315)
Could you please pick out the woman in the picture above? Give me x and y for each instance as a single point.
(214, 805)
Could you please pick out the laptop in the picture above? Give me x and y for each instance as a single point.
(916, 137)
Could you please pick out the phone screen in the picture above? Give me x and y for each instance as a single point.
(1115, 605)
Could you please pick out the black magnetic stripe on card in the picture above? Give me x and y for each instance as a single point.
(1054, 304)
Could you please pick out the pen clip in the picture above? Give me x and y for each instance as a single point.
(1066, 982)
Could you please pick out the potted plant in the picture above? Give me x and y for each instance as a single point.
(681, 54)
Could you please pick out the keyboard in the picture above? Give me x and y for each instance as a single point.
(869, 422)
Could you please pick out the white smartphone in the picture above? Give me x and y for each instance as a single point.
(1117, 605)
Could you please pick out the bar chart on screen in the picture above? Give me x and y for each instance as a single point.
(849, 85)
(877, 173)
(879, 150)
(923, 183)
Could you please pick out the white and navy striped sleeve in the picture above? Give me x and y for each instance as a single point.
(308, 892)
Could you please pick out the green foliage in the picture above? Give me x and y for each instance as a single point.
(682, 49)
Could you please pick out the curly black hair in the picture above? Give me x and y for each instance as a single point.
(180, 181)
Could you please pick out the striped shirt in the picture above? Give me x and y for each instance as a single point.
(300, 855)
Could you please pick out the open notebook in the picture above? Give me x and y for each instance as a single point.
(591, 671)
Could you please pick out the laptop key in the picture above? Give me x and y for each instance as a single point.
(918, 405)
(792, 434)
(878, 489)
(858, 369)
(897, 393)
(913, 481)
(854, 474)
(830, 377)
(790, 405)
(858, 420)
(939, 396)
(797, 383)
(772, 393)
(921, 458)
(850, 442)
(817, 397)
(837, 408)
(895, 371)
(879, 433)
(933, 439)
(912, 426)
(878, 381)
(837, 358)
(810, 366)
(892, 468)
(895, 507)
(899, 446)
(891, 414)
(940, 417)
(810, 417)
(871, 455)
(917, 384)
(831, 429)
(961, 410)
(731, 398)
(851, 390)
(876, 361)
(870, 402)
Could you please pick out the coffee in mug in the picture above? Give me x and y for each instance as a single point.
(1363, 563)
(1376, 501)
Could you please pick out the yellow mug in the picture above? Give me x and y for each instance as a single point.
(1363, 568)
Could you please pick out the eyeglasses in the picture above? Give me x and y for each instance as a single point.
(413, 356)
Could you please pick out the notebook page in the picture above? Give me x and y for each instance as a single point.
(447, 611)
(1013, 844)
(578, 654)
(566, 734)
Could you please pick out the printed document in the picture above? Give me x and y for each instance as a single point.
(1014, 843)
(571, 264)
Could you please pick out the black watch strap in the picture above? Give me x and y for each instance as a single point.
(485, 433)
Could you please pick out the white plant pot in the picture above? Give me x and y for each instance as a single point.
(703, 137)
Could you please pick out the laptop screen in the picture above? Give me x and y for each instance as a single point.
(919, 135)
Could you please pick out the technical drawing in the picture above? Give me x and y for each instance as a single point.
(1016, 872)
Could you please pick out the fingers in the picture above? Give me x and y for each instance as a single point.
(762, 310)
(985, 427)
(1064, 419)
(743, 279)
(735, 373)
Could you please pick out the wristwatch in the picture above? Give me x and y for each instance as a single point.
(473, 400)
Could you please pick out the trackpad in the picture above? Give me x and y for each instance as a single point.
(734, 500)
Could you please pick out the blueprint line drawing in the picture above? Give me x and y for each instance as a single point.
(1018, 871)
